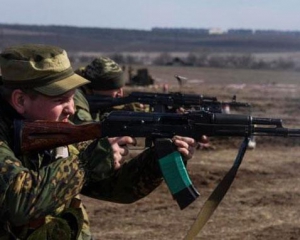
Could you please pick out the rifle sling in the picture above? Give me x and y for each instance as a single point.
(217, 195)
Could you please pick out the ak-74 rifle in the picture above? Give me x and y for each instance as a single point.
(156, 128)
(163, 102)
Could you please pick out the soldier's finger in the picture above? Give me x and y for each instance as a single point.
(188, 140)
(124, 151)
(117, 160)
(126, 140)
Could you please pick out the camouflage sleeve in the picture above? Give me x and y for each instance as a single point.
(135, 107)
(82, 110)
(28, 194)
(98, 160)
(81, 116)
(133, 181)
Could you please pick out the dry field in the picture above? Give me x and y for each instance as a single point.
(263, 202)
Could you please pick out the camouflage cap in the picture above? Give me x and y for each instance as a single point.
(44, 68)
(104, 74)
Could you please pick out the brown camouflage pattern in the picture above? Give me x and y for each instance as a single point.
(37, 185)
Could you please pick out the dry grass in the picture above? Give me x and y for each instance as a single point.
(263, 200)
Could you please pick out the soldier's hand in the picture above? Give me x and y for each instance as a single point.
(185, 145)
(180, 110)
(120, 149)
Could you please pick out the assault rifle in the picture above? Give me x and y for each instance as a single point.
(155, 127)
(163, 102)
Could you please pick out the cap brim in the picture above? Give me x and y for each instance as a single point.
(62, 86)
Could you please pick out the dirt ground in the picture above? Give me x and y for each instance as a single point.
(263, 201)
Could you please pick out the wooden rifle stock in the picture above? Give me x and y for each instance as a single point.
(40, 135)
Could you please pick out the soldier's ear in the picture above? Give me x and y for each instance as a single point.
(17, 100)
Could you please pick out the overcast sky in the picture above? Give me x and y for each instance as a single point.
(142, 14)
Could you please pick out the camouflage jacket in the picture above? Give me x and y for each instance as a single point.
(82, 109)
(41, 185)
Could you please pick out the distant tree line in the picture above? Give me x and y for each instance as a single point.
(92, 39)
(236, 61)
(205, 49)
